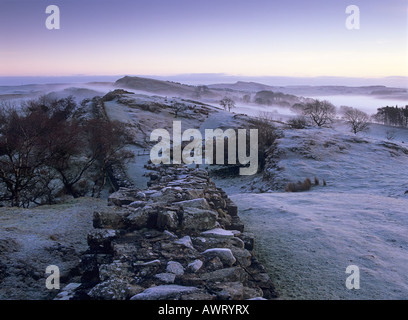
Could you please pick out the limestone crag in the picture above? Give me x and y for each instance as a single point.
(181, 238)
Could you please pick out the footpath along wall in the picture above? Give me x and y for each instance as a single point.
(181, 238)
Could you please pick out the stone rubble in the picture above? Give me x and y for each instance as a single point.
(181, 238)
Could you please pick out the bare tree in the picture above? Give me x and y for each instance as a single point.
(322, 113)
(70, 158)
(356, 119)
(227, 103)
(107, 142)
(19, 156)
(24, 154)
(46, 149)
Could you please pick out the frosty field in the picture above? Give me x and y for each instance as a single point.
(307, 240)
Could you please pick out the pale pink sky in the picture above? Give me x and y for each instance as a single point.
(164, 37)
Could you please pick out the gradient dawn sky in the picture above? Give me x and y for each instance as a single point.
(167, 37)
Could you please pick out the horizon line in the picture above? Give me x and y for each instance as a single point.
(200, 73)
(200, 78)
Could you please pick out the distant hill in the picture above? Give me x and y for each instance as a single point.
(243, 86)
(304, 90)
(239, 89)
(78, 93)
(156, 86)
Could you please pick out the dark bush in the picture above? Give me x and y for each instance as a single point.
(297, 123)
(268, 134)
(306, 185)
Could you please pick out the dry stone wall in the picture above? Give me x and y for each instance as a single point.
(181, 238)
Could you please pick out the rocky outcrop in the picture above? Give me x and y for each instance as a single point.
(181, 238)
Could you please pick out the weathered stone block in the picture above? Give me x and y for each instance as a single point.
(195, 219)
(248, 239)
(100, 239)
(164, 292)
(166, 277)
(236, 224)
(252, 293)
(113, 218)
(167, 220)
(175, 267)
(243, 256)
(113, 289)
(145, 217)
(195, 203)
(123, 196)
(229, 290)
(185, 241)
(233, 274)
(225, 255)
(218, 233)
(232, 209)
(195, 265)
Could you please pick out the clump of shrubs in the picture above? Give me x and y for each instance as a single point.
(112, 95)
(297, 123)
(306, 185)
(268, 135)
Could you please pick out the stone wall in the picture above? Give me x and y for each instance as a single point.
(181, 238)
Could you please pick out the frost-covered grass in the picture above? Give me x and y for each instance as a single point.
(347, 162)
(308, 239)
(32, 239)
